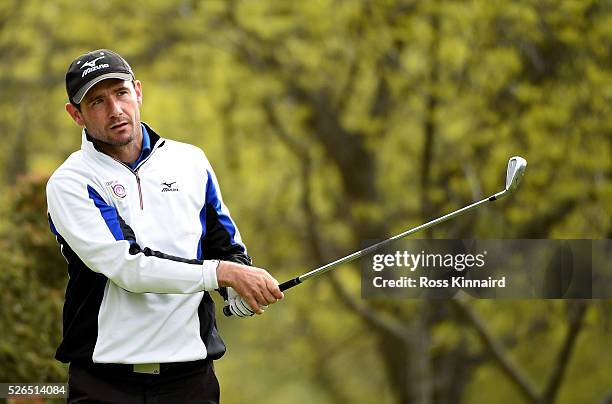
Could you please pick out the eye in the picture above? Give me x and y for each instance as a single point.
(122, 92)
(95, 101)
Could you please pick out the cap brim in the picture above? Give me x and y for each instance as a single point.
(78, 97)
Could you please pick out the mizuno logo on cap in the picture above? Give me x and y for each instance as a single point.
(92, 63)
(91, 66)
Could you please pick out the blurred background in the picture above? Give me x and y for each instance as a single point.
(330, 123)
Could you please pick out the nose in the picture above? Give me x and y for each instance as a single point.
(114, 108)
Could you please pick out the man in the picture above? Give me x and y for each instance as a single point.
(146, 234)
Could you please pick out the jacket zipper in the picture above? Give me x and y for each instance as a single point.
(135, 172)
(139, 189)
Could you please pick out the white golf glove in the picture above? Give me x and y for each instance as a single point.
(237, 305)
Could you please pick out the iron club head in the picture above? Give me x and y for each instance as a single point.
(516, 170)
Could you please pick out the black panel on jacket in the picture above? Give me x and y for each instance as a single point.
(216, 245)
(81, 308)
(217, 242)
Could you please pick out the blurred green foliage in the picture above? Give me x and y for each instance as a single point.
(33, 282)
(330, 123)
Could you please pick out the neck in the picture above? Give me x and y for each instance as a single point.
(127, 153)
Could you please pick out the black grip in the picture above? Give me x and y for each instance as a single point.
(289, 284)
(227, 311)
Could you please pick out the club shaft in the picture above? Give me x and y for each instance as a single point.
(327, 267)
(374, 247)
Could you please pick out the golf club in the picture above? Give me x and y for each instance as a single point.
(514, 173)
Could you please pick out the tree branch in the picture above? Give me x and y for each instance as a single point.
(577, 310)
(299, 149)
(497, 352)
(371, 316)
(430, 123)
(349, 86)
(314, 241)
(539, 226)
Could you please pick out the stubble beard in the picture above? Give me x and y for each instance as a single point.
(107, 140)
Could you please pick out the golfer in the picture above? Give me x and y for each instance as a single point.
(142, 225)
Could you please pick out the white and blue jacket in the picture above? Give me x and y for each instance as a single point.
(142, 246)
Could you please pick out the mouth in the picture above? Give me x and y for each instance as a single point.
(119, 125)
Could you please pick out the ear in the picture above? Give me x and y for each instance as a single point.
(138, 89)
(75, 114)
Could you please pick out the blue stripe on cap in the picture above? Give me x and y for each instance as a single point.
(109, 213)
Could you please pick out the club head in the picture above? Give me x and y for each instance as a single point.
(515, 172)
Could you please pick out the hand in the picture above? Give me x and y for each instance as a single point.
(237, 305)
(255, 286)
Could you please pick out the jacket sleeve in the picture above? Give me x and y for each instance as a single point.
(105, 244)
(222, 239)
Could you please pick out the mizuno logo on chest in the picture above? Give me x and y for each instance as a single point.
(169, 187)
